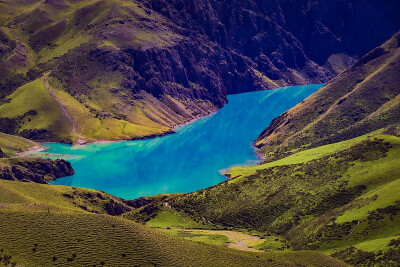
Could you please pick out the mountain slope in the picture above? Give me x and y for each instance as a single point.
(46, 225)
(11, 145)
(340, 199)
(361, 100)
(129, 69)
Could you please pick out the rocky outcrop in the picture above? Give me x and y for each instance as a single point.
(35, 170)
(281, 36)
(98, 202)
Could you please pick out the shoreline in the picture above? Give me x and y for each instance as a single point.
(173, 130)
(176, 127)
(31, 150)
(260, 158)
(101, 141)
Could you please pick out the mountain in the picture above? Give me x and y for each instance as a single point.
(362, 99)
(330, 177)
(76, 71)
(80, 71)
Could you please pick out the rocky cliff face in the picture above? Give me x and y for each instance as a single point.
(152, 64)
(35, 170)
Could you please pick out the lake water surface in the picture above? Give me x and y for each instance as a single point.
(189, 160)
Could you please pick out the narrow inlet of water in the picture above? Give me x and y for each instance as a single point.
(191, 159)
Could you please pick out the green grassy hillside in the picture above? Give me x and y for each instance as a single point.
(11, 145)
(44, 225)
(31, 111)
(362, 99)
(66, 75)
(331, 203)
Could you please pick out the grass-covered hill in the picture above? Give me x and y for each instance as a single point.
(11, 145)
(337, 192)
(77, 71)
(68, 73)
(362, 99)
(342, 196)
(47, 225)
(44, 225)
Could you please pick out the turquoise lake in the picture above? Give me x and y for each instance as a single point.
(191, 159)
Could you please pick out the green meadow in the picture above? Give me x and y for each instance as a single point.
(44, 225)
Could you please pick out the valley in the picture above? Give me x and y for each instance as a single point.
(329, 177)
(199, 133)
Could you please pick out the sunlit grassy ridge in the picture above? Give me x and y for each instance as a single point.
(73, 48)
(31, 110)
(93, 123)
(76, 240)
(11, 144)
(70, 199)
(44, 225)
(302, 156)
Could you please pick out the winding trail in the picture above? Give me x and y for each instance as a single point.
(81, 139)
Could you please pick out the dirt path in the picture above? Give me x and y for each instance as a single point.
(81, 139)
(238, 240)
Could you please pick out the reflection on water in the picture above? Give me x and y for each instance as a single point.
(189, 160)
